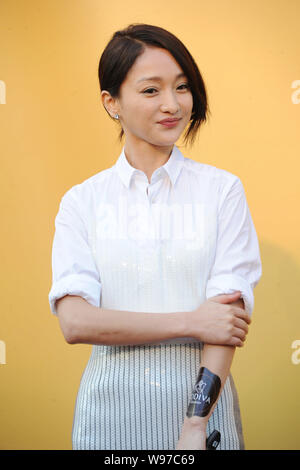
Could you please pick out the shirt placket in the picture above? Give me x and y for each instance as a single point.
(148, 194)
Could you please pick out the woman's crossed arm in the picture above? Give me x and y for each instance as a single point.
(216, 361)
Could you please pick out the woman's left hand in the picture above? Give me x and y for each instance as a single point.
(192, 437)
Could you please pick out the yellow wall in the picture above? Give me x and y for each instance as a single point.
(55, 133)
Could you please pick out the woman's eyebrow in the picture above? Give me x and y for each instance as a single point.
(159, 78)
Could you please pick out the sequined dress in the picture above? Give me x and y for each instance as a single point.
(135, 397)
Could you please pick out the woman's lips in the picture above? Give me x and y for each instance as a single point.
(169, 123)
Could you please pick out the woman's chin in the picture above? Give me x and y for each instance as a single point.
(166, 140)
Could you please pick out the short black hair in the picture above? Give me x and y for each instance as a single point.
(127, 44)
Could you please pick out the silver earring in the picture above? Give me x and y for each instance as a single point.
(116, 116)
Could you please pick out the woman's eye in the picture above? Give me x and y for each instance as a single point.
(148, 90)
(186, 85)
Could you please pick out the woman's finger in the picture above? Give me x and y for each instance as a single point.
(239, 333)
(240, 313)
(238, 323)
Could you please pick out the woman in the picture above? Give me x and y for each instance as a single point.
(154, 264)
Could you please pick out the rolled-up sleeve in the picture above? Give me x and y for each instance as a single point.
(237, 264)
(74, 271)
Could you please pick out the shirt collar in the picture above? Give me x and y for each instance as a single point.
(172, 167)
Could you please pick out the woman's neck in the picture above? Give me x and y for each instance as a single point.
(147, 157)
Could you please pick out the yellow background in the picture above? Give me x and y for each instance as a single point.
(55, 134)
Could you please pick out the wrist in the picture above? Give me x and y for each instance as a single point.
(188, 323)
(193, 323)
(196, 422)
(181, 328)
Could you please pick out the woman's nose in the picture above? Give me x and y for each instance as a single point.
(170, 103)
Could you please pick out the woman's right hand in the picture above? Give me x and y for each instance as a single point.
(216, 321)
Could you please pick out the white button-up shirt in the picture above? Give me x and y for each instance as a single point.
(123, 243)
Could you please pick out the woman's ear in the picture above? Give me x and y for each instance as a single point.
(109, 103)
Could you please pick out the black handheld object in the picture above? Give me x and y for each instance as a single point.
(213, 440)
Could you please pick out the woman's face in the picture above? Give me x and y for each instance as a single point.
(144, 101)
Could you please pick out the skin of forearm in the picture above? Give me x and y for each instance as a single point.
(83, 323)
(218, 359)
